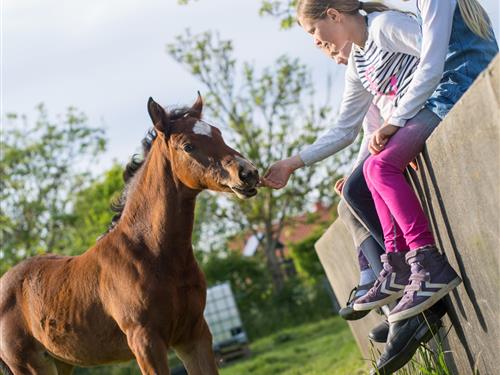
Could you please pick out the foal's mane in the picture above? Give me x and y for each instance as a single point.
(135, 164)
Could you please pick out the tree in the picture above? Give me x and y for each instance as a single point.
(91, 213)
(305, 258)
(269, 115)
(284, 10)
(249, 281)
(42, 164)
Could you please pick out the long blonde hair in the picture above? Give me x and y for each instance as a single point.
(476, 18)
(316, 9)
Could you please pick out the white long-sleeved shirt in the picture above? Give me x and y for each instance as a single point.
(437, 22)
(390, 33)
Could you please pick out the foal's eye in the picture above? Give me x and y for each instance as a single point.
(188, 147)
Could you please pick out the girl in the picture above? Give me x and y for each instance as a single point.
(458, 39)
(385, 55)
(369, 250)
(378, 57)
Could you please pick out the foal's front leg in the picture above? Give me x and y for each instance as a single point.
(197, 356)
(149, 350)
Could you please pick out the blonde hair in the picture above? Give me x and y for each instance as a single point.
(316, 9)
(476, 18)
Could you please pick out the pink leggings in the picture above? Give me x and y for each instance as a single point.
(403, 221)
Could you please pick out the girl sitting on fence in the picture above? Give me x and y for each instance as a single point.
(368, 248)
(387, 47)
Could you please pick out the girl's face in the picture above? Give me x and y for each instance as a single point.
(340, 57)
(330, 30)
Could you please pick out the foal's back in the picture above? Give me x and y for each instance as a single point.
(51, 304)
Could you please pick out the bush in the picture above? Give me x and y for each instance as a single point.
(262, 310)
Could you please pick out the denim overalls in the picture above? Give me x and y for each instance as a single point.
(468, 55)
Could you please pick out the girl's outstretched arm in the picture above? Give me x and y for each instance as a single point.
(355, 104)
(278, 175)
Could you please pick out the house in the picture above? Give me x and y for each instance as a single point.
(295, 230)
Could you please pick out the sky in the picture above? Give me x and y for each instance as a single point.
(107, 57)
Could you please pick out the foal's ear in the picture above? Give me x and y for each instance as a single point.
(197, 107)
(158, 116)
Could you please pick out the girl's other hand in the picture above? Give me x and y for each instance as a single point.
(339, 186)
(380, 138)
(278, 175)
(414, 164)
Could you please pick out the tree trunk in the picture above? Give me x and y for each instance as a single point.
(273, 264)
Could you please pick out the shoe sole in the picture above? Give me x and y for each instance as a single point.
(372, 305)
(415, 310)
(355, 315)
(377, 339)
(403, 357)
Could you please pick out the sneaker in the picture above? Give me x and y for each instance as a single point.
(405, 336)
(348, 313)
(380, 332)
(431, 278)
(390, 283)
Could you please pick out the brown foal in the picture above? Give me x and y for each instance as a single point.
(138, 291)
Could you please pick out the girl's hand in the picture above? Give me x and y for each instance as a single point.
(339, 185)
(277, 176)
(380, 138)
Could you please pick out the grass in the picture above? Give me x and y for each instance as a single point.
(320, 348)
(428, 360)
(325, 347)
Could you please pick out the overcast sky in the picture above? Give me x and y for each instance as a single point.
(106, 57)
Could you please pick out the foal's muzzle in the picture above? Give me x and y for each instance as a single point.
(248, 179)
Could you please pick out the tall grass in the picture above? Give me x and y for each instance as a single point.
(428, 360)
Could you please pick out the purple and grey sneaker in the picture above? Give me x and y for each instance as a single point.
(431, 278)
(390, 283)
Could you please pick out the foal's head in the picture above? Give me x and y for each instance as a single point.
(199, 157)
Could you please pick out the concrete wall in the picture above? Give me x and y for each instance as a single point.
(458, 183)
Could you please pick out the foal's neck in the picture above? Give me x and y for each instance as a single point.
(159, 213)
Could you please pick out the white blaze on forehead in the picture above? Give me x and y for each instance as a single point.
(202, 128)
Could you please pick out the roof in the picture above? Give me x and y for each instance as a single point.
(295, 230)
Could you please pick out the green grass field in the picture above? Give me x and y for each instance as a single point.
(320, 348)
(323, 347)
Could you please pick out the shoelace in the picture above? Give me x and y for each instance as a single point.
(351, 295)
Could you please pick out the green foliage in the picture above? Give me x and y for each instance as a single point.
(205, 235)
(262, 309)
(284, 10)
(91, 214)
(305, 259)
(42, 164)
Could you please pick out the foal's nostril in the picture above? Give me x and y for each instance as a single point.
(248, 176)
(243, 173)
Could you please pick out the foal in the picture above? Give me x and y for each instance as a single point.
(138, 291)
